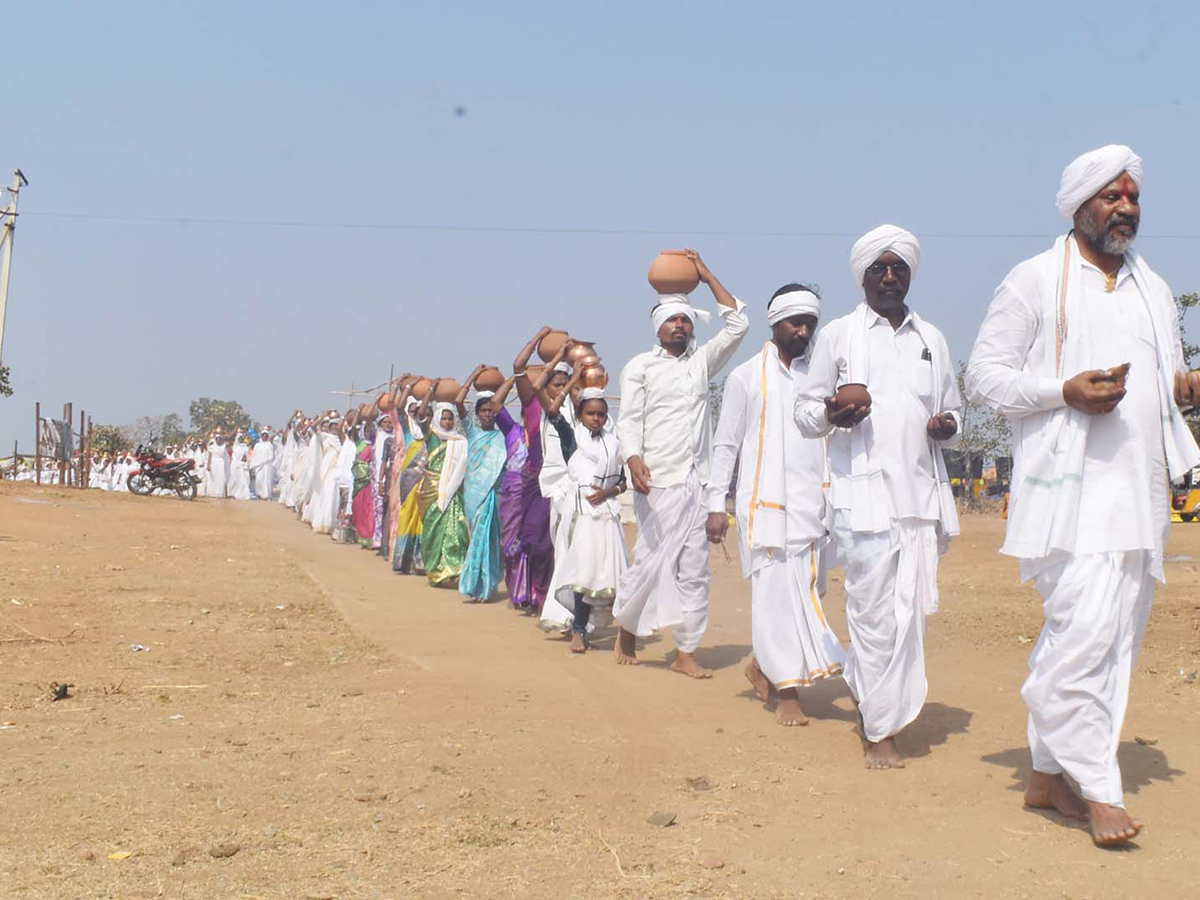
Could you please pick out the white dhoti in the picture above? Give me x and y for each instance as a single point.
(891, 584)
(264, 481)
(667, 585)
(793, 642)
(1095, 607)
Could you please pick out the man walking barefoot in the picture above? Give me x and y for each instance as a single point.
(666, 438)
(1081, 350)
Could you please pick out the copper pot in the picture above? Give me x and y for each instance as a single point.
(489, 379)
(447, 390)
(673, 273)
(551, 344)
(594, 376)
(581, 350)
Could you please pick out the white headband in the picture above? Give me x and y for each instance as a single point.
(793, 303)
(564, 367)
(670, 305)
(484, 395)
(591, 393)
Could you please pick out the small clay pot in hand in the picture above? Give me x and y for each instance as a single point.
(853, 394)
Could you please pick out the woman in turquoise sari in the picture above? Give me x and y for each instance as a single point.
(487, 453)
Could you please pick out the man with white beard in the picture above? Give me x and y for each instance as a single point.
(1081, 349)
(894, 513)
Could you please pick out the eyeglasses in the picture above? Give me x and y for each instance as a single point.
(878, 270)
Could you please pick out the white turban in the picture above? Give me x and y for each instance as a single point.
(1087, 174)
(673, 305)
(872, 245)
(793, 303)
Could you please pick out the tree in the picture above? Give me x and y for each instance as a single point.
(167, 429)
(1183, 303)
(109, 439)
(5, 386)
(985, 432)
(208, 414)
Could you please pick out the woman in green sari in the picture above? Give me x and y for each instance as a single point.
(444, 531)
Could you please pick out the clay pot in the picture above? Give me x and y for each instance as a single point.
(551, 344)
(351, 416)
(581, 350)
(489, 379)
(853, 393)
(447, 390)
(421, 388)
(673, 273)
(384, 401)
(366, 411)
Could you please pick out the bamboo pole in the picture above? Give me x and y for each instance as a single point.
(37, 442)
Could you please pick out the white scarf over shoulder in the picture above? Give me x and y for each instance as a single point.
(1044, 514)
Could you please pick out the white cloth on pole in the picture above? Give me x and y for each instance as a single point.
(1096, 607)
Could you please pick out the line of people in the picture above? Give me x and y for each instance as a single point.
(836, 432)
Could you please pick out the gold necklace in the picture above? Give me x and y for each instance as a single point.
(1110, 281)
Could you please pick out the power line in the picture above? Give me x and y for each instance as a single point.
(516, 229)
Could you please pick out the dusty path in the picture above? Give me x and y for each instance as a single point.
(420, 746)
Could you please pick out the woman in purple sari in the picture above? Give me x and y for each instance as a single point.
(525, 539)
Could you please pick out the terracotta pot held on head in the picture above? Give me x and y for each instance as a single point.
(489, 379)
(673, 273)
(581, 350)
(421, 388)
(853, 393)
(447, 390)
(384, 401)
(366, 411)
(551, 343)
(351, 416)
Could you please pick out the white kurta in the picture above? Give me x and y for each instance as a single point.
(1094, 541)
(893, 511)
(781, 520)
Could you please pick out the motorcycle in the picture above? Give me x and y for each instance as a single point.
(156, 472)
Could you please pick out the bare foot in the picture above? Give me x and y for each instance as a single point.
(578, 642)
(1052, 792)
(788, 711)
(1111, 825)
(758, 681)
(883, 755)
(686, 664)
(626, 648)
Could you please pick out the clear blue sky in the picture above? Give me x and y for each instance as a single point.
(767, 135)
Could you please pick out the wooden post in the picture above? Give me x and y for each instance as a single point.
(14, 459)
(37, 442)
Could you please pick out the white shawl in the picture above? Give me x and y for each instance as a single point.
(1044, 512)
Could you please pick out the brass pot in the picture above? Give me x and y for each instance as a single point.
(581, 350)
(594, 376)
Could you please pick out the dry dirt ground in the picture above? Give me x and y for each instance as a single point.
(357, 734)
